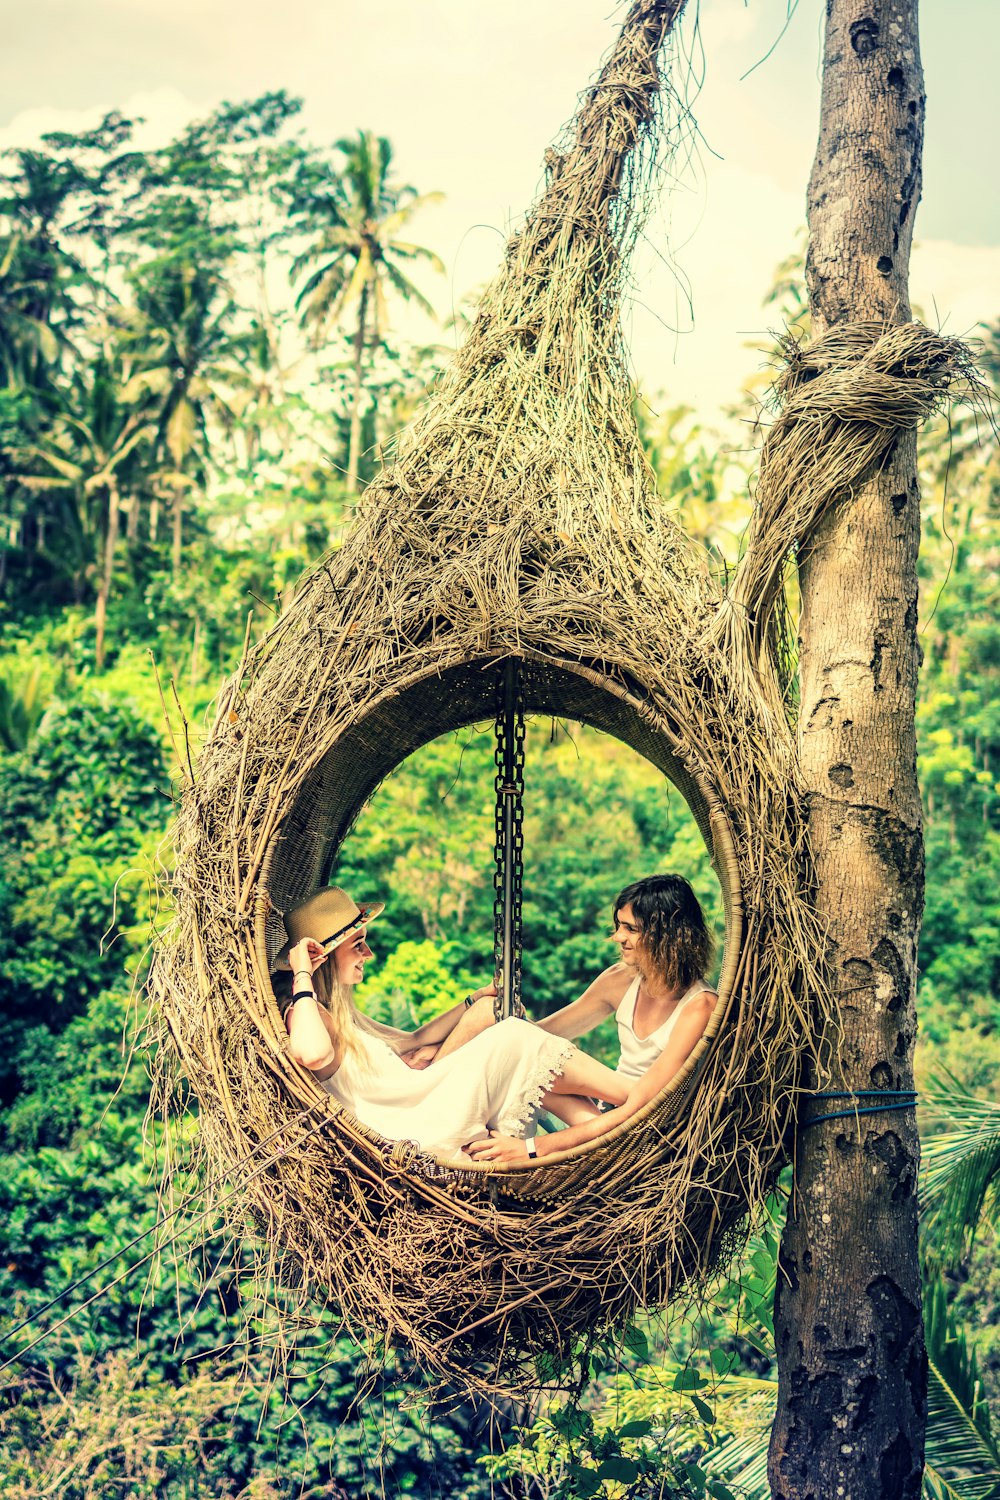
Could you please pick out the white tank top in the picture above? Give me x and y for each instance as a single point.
(639, 1054)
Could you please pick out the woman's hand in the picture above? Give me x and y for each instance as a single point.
(306, 956)
(502, 1149)
(420, 1057)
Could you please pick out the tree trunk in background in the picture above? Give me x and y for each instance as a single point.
(852, 1367)
(107, 573)
(177, 540)
(132, 514)
(354, 447)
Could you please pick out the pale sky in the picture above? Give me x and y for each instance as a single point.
(470, 95)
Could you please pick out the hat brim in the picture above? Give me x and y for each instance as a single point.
(367, 912)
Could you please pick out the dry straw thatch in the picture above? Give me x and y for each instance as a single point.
(519, 517)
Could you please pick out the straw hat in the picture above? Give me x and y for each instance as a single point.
(328, 915)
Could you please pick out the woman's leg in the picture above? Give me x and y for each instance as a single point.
(585, 1075)
(572, 1109)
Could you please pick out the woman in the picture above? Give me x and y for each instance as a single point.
(658, 996)
(496, 1081)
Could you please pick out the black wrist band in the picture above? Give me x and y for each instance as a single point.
(303, 995)
(469, 1000)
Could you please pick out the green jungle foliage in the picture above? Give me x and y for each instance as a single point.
(197, 369)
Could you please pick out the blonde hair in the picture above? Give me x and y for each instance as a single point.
(344, 1016)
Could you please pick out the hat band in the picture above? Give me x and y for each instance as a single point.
(357, 921)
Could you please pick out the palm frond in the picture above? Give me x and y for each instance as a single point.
(23, 701)
(405, 212)
(960, 1178)
(182, 427)
(744, 1409)
(64, 467)
(741, 1461)
(332, 244)
(963, 1460)
(155, 381)
(361, 275)
(415, 252)
(13, 245)
(406, 289)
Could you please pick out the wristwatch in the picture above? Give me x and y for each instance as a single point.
(531, 1148)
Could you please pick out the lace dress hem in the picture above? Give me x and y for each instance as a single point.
(520, 1110)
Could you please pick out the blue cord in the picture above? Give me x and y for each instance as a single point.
(908, 1096)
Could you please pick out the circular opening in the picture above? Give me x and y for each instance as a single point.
(402, 719)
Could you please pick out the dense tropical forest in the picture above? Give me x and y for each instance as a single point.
(201, 364)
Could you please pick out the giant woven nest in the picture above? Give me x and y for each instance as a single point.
(519, 518)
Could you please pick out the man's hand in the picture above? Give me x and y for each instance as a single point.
(502, 1149)
(420, 1057)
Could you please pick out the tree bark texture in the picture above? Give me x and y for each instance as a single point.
(851, 1360)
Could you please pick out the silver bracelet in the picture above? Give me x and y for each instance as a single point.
(531, 1148)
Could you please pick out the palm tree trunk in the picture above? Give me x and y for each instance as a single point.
(107, 573)
(132, 520)
(195, 643)
(178, 530)
(354, 447)
(848, 1328)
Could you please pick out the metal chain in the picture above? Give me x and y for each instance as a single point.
(508, 849)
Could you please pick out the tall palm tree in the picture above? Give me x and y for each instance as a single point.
(36, 269)
(26, 341)
(94, 443)
(190, 362)
(355, 261)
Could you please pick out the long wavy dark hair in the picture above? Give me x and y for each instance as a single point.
(672, 928)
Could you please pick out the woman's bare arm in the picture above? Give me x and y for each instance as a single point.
(433, 1032)
(311, 1041)
(684, 1038)
(598, 1001)
(594, 1005)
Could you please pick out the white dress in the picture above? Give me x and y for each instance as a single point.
(638, 1054)
(495, 1082)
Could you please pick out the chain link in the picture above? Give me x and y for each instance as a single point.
(509, 787)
